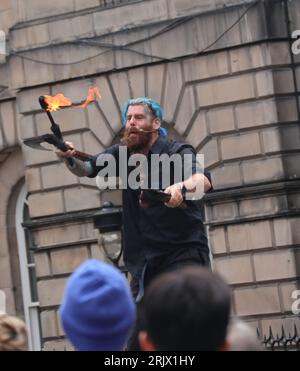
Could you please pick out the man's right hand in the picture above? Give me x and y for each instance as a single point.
(69, 153)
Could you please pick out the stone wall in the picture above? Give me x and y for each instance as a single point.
(224, 72)
(7, 15)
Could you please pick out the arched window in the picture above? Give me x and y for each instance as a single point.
(27, 270)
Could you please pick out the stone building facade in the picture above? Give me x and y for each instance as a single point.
(229, 84)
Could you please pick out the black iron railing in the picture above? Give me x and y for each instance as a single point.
(282, 341)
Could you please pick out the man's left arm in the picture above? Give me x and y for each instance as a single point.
(195, 186)
(178, 190)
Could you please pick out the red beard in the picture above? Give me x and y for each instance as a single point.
(136, 140)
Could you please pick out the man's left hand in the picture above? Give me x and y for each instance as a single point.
(176, 195)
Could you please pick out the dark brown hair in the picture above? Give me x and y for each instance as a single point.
(187, 309)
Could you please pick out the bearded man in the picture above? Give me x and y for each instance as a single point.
(163, 236)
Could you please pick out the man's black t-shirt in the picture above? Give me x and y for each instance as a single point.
(156, 232)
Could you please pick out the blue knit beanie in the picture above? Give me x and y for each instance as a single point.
(98, 311)
(155, 106)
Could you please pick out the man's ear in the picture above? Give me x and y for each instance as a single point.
(145, 342)
(156, 123)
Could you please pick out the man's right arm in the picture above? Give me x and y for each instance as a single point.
(84, 168)
(78, 167)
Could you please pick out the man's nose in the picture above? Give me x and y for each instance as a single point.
(132, 121)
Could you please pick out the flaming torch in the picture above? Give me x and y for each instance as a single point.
(53, 103)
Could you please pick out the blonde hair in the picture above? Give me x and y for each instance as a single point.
(13, 334)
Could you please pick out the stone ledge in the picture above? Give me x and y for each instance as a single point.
(241, 192)
(67, 218)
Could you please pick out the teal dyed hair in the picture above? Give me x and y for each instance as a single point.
(154, 106)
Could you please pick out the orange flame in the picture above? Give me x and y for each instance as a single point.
(54, 103)
(93, 94)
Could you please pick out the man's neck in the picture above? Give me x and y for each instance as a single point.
(153, 139)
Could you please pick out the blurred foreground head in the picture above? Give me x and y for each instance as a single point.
(187, 309)
(13, 334)
(98, 311)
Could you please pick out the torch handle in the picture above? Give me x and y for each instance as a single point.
(50, 117)
(82, 156)
(58, 139)
(54, 127)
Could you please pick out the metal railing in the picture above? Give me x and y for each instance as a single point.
(283, 341)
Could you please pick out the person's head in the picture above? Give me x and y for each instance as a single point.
(142, 118)
(13, 334)
(187, 309)
(242, 337)
(98, 311)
